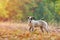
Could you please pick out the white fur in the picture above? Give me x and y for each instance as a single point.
(38, 23)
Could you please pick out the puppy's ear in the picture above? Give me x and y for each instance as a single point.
(33, 17)
(28, 17)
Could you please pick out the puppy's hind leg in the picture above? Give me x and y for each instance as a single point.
(47, 29)
(41, 27)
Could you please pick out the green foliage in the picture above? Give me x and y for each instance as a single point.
(46, 10)
(41, 9)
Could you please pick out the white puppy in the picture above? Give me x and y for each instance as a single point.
(37, 23)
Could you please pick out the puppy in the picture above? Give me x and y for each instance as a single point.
(37, 23)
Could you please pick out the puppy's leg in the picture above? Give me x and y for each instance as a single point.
(30, 28)
(41, 27)
(47, 29)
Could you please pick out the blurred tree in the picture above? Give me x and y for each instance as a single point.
(19, 9)
(14, 8)
(3, 12)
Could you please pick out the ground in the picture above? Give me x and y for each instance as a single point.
(19, 31)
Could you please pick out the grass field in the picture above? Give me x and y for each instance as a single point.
(19, 31)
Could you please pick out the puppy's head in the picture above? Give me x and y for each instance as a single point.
(31, 17)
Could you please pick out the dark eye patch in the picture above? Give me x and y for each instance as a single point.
(31, 18)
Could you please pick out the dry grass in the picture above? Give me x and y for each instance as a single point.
(19, 31)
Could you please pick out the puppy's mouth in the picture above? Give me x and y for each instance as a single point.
(30, 21)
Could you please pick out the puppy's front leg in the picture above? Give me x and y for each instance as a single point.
(30, 28)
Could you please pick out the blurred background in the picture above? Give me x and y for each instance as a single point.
(19, 10)
(13, 19)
